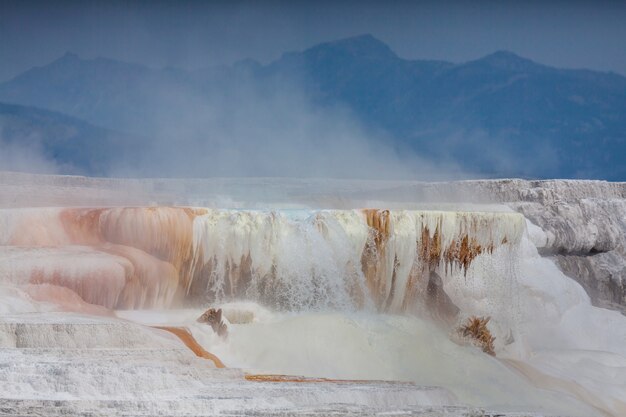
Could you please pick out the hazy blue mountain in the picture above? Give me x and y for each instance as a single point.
(551, 122)
(75, 146)
(101, 91)
(502, 115)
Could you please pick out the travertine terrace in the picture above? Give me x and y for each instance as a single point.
(153, 257)
(340, 297)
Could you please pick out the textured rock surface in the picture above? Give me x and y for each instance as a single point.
(585, 232)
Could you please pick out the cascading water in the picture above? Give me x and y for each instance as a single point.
(352, 259)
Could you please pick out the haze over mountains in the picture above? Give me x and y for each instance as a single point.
(351, 102)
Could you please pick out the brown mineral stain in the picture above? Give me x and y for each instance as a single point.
(163, 232)
(476, 330)
(463, 252)
(186, 337)
(293, 378)
(373, 257)
(82, 225)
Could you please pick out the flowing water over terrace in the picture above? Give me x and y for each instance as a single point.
(294, 259)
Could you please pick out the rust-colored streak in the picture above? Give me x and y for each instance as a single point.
(463, 252)
(293, 378)
(187, 338)
(82, 225)
(373, 257)
(430, 249)
(380, 221)
(192, 212)
(164, 232)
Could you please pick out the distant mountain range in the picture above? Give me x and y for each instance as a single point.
(77, 147)
(501, 115)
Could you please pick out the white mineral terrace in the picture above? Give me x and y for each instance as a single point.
(328, 311)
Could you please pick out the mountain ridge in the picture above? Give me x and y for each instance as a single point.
(73, 145)
(502, 113)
